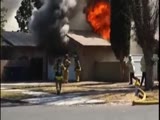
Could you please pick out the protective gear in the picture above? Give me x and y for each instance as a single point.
(66, 63)
(66, 75)
(59, 78)
(78, 75)
(77, 69)
(137, 83)
(59, 75)
(130, 64)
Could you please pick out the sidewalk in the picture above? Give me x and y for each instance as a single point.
(65, 84)
(83, 83)
(81, 93)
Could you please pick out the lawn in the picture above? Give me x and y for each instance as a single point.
(13, 95)
(107, 92)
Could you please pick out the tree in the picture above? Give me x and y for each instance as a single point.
(24, 13)
(145, 15)
(3, 20)
(120, 30)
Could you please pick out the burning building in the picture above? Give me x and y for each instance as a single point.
(87, 27)
(90, 36)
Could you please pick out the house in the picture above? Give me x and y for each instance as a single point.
(21, 59)
(97, 59)
(90, 48)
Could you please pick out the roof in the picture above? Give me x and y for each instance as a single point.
(17, 39)
(5, 43)
(87, 38)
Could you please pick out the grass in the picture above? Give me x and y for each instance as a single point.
(14, 95)
(109, 93)
(152, 95)
(30, 86)
(65, 89)
(40, 86)
(108, 96)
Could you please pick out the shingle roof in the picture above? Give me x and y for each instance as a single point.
(86, 38)
(17, 39)
(5, 43)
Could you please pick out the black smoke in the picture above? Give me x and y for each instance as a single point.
(49, 25)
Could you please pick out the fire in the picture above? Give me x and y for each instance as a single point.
(98, 15)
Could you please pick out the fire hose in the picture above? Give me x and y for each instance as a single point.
(140, 92)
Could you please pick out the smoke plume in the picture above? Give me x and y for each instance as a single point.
(50, 24)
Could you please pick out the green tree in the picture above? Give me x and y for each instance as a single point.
(24, 13)
(146, 18)
(3, 13)
(3, 20)
(120, 30)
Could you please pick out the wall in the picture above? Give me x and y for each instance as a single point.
(109, 71)
(90, 55)
(32, 52)
(3, 64)
(29, 52)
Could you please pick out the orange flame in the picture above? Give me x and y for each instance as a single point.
(98, 15)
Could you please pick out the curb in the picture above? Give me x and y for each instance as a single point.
(96, 103)
(21, 103)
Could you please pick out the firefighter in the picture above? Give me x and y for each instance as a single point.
(59, 75)
(131, 70)
(143, 69)
(66, 64)
(154, 59)
(77, 68)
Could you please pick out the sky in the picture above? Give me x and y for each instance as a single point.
(12, 6)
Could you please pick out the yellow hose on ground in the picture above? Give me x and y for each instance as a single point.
(143, 100)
